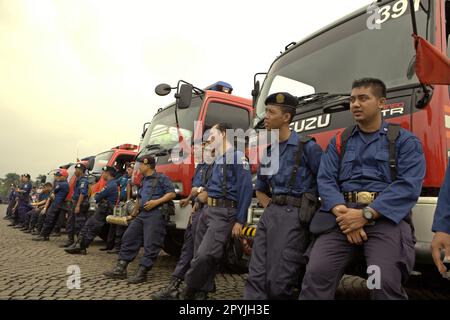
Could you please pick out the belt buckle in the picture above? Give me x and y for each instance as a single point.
(364, 197)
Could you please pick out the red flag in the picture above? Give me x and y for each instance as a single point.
(432, 67)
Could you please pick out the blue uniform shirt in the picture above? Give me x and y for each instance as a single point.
(122, 182)
(239, 182)
(441, 222)
(108, 193)
(61, 190)
(81, 187)
(24, 197)
(277, 181)
(365, 167)
(12, 196)
(163, 186)
(43, 196)
(200, 173)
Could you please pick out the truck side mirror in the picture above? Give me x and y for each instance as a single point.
(163, 89)
(255, 92)
(184, 97)
(90, 164)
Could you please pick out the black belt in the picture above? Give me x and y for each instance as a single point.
(362, 197)
(284, 200)
(224, 203)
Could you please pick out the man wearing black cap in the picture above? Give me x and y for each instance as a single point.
(79, 205)
(106, 199)
(58, 204)
(149, 225)
(282, 235)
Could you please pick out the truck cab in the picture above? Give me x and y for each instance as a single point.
(321, 68)
(162, 136)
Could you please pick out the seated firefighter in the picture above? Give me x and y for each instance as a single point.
(149, 225)
(106, 200)
(34, 219)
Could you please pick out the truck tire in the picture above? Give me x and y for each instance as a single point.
(173, 241)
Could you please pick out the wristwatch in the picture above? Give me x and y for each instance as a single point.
(368, 214)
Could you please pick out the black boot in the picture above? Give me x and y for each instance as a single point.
(41, 238)
(24, 228)
(27, 230)
(191, 294)
(78, 247)
(68, 243)
(119, 271)
(171, 292)
(113, 251)
(140, 276)
(35, 232)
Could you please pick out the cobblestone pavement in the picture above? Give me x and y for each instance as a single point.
(38, 270)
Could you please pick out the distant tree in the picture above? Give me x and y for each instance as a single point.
(6, 182)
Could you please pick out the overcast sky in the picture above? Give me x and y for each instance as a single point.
(77, 77)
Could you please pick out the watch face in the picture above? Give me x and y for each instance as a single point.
(367, 214)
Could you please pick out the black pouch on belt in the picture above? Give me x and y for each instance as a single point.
(309, 205)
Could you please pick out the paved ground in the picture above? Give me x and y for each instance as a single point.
(38, 270)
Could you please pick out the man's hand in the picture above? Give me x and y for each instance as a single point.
(203, 197)
(351, 221)
(43, 211)
(184, 202)
(130, 217)
(441, 240)
(77, 210)
(339, 210)
(149, 205)
(237, 229)
(357, 237)
(195, 207)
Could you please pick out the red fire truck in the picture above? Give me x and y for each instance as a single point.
(320, 69)
(209, 106)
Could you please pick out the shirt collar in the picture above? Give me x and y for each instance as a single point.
(383, 129)
(293, 138)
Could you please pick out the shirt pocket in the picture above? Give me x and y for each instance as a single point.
(382, 158)
(347, 165)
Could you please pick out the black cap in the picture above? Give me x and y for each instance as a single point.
(26, 175)
(110, 169)
(147, 159)
(282, 99)
(129, 165)
(80, 166)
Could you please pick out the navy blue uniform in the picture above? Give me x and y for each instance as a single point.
(24, 201)
(59, 206)
(199, 179)
(122, 183)
(215, 224)
(277, 260)
(12, 197)
(35, 218)
(76, 221)
(390, 244)
(441, 222)
(106, 200)
(149, 227)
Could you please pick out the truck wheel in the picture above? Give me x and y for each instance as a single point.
(173, 241)
(234, 260)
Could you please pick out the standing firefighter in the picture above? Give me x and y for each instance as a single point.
(79, 205)
(370, 177)
(58, 205)
(106, 200)
(23, 193)
(282, 235)
(149, 225)
(229, 192)
(199, 180)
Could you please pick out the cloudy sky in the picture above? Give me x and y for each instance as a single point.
(77, 77)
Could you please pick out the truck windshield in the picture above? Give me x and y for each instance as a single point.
(163, 128)
(331, 61)
(101, 160)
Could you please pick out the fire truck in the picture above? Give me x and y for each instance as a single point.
(321, 68)
(173, 126)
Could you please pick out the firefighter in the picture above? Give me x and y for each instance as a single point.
(116, 232)
(441, 225)
(23, 194)
(106, 199)
(229, 193)
(149, 223)
(369, 179)
(282, 235)
(79, 205)
(11, 202)
(201, 176)
(58, 206)
(32, 215)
